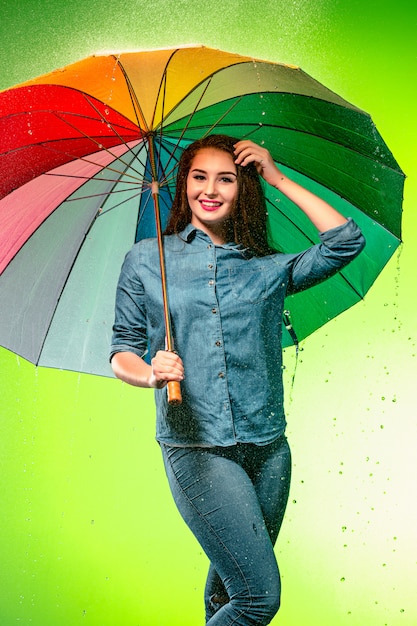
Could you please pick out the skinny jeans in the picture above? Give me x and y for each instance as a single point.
(233, 499)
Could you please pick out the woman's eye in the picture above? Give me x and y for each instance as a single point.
(227, 179)
(198, 177)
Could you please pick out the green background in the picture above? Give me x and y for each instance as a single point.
(89, 534)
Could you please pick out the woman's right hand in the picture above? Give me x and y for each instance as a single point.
(166, 366)
(132, 369)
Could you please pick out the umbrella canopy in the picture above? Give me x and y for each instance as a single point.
(80, 147)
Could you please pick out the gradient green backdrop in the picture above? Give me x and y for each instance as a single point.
(89, 535)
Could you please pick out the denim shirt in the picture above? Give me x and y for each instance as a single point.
(226, 309)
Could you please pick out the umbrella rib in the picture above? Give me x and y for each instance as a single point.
(351, 285)
(169, 175)
(91, 162)
(106, 193)
(235, 103)
(135, 193)
(141, 215)
(140, 118)
(299, 229)
(164, 83)
(87, 178)
(94, 141)
(102, 211)
(122, 141)
(185, 128)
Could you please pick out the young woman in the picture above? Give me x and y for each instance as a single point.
(224, 448)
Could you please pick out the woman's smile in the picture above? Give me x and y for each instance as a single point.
(210, 205)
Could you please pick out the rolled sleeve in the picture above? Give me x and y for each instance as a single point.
(129, 329)
(338, 247)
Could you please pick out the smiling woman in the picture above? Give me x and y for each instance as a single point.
(225, 451)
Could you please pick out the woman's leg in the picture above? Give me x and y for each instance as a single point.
(269, 468)
(218, 501)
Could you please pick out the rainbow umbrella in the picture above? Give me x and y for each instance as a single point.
(88, 150)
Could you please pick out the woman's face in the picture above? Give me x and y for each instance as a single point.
(212, 191)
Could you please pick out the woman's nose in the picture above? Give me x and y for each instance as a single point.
(210, 189)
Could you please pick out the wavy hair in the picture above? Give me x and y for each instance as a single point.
(248, 223)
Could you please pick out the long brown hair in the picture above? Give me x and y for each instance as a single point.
(248, 225)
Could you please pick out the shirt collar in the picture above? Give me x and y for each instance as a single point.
(190, 232)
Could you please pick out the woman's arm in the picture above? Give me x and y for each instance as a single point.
(322, 214)
(166, 366)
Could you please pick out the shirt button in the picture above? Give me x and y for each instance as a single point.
(218, 343)
(210, 266)
(214, 311)
(211, 282)
(221, 374)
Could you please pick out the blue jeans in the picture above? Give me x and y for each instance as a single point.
(233, 499)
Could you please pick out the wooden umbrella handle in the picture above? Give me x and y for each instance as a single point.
(174, 393)
(174, 388)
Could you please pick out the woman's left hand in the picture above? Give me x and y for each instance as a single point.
(247, 151)
(317, 210)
